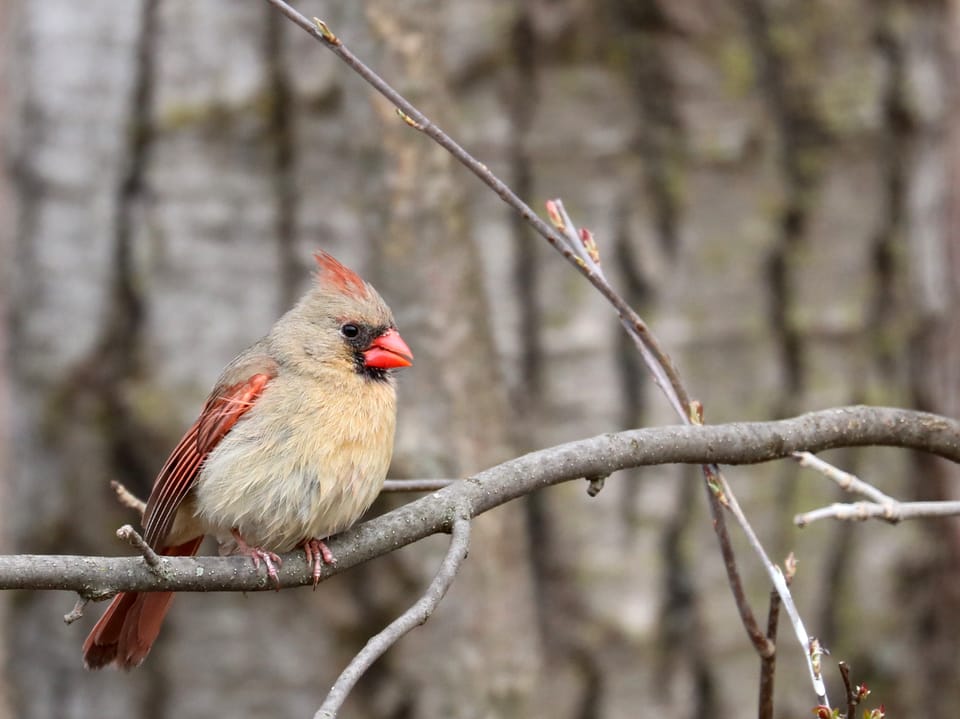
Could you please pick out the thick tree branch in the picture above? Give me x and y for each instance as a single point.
(737, 443)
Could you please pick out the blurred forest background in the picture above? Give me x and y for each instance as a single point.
(772, 183)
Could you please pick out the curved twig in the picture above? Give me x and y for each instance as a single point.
(413, 617)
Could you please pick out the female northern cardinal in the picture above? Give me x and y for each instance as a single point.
(292, 445)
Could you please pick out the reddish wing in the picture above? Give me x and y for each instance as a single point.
(219, 414)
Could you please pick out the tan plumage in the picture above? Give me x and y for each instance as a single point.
(306, 461)
(293, 445)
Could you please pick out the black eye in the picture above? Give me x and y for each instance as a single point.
(350, 331)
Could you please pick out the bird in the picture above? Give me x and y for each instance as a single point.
(292, 446)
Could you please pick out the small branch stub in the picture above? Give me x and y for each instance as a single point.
(595, 484)
(129, 534)
(77, 611)
(128, 498)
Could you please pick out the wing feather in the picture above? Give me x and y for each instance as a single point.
(220, 413)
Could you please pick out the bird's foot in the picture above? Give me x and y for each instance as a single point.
(318, 554)
(257, 554)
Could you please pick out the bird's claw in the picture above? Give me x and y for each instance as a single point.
(257, 554)
(271, 560)
(318, 554)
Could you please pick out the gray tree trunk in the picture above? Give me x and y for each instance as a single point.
(770, 183)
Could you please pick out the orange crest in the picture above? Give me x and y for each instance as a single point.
(333, 274)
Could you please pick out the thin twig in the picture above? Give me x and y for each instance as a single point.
(719, 494)
(781, 585)
(77, 611)
(892, 512)
(846, 481)
(413, 617)
(586, 258)
(128, 498)
(768, 665)
(760, 642)
(131, 535)
(853, 697)
(882, 506)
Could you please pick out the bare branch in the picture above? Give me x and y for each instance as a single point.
(892, 512)
(717, 501)
(782, 587)
(844, 480)
(128, 498)
(719, 494)
(882, 506)
(586, 257)
(737, 443)
(852, 697)
(768, 665)
(413, 617)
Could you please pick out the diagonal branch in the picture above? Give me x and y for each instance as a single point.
(413, 617)
(417, 120)
(580, 250)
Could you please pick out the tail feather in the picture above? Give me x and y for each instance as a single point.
(130, 625)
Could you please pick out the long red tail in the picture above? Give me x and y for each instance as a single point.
(130, 626)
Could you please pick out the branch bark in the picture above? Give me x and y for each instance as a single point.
(735, 443)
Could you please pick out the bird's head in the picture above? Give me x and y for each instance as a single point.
(343, 324)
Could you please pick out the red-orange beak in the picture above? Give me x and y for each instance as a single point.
(388, 351)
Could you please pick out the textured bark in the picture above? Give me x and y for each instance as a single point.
(420, 210)
(6, 264)
(928, 201)
(770, 180)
